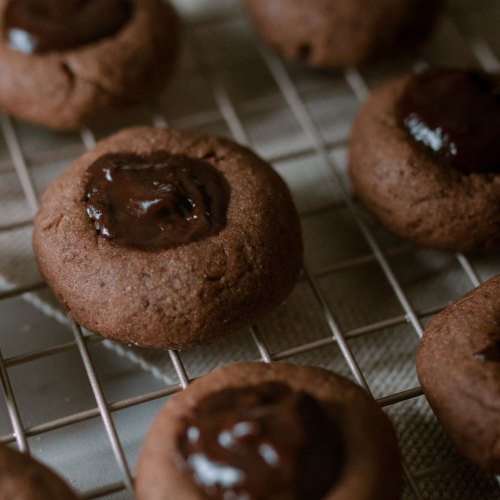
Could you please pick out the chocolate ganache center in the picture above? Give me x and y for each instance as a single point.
(454, 115)
(262, 442)
(155, 202)
(40, 26)
(490, 352)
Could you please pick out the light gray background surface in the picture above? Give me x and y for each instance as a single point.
(224, 85)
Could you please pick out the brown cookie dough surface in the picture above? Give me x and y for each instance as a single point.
(276, 419)
(23, 478)
(425, 158)
(458, 364)
(65, 64)
(338, 33)
(233, 250)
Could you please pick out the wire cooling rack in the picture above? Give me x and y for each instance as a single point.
(360, 306)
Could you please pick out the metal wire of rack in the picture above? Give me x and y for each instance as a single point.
(231, 114)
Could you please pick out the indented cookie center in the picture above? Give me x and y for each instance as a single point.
(39, 26)
(155, 202)
(262, 441)
(454, 115)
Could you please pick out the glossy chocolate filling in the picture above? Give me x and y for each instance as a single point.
(455, 116)
(40, 26)
(155, 202)
(262, 442)
(490, 353)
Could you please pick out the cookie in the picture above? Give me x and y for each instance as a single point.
(168, 239)
(66, 63)
(458, 365)
(425, 158)
(23, 478)
(339, 33)
(270, 431)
